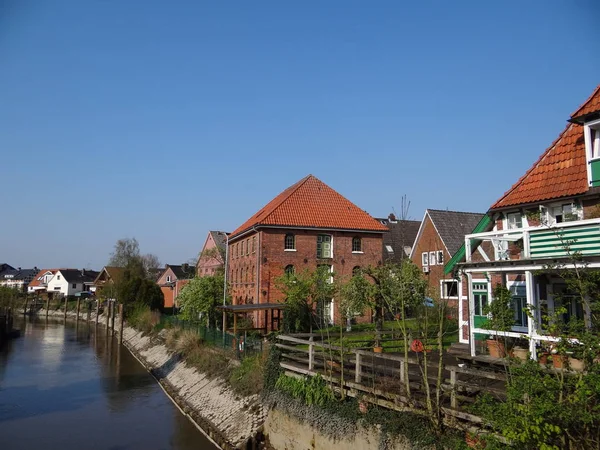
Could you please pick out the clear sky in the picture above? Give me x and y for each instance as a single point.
(161, 120)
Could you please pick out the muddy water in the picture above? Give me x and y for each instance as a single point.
(66, 387)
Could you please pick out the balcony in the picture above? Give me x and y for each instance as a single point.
(560, 240)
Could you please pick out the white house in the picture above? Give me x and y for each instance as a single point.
(67, 282)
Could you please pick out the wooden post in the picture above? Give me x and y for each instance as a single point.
(78, 307)
(357, 374)
(89, 311)
(120, 323)
(453, 402)
(108, 315)
(25, 307)
(97, 311)
(65, 314)
(311, 356)
(112, 320)
(234, 325)
(47, 306)
(402, 362)
(224, 322)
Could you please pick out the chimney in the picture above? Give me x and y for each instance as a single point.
(392, 217)
(83, 272)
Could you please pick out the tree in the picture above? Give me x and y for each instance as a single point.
(357, 295)
(125, 251)
(200, 298)
(127, 254)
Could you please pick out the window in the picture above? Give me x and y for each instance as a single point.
(566, 212)
(290, 270)
(242, 252)
(425, 259)
(235, 251)
(432, 258)
(519, 304)
(324, 249)
(168, 278)
(74, 285)
(252, 274)
(449, 289)
(247, 247)
(58, 277)
(356, 245)
(389, 249)
(253, 244)
(514, 220)
(440, 257)
(289, 242)
(595, 139)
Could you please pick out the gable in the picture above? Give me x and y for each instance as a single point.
(310, 203)
(590, 106)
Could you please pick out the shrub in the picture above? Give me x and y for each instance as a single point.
(143, 319)
(248, 377)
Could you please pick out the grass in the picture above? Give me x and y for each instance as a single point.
(248, 377)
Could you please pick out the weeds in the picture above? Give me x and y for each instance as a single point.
(248, 377)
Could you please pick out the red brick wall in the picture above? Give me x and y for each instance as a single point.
(430, 241)
(168, 295)
(269, 260)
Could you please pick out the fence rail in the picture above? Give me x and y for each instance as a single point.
(381, 377)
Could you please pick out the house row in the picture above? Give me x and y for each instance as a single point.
(53, 283)
(16, 278)
(550, 215)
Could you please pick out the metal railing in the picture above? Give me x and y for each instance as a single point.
(242, 344)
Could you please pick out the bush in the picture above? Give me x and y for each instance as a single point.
(248, 377)
(143, 319)
(211, 362)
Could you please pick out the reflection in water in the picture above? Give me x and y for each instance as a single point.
(63, 387)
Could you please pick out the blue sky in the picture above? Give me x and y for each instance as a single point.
(161, 120)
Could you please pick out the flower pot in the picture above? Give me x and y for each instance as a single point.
(543, 359)
(378, 349)
(496, 348)
(473, 441)
(520, 353)
(558, 361)
(333, 366)
(576, 364)
(363, 407)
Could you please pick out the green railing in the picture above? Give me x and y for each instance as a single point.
(241, 345)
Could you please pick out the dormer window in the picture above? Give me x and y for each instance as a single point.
(591, 132)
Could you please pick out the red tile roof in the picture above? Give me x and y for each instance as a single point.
(311, 203)
(592, 104)
(36, 280)
(561, 171)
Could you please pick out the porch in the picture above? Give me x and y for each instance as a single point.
(532, 263)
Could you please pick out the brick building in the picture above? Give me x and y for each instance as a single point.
(307, 225)
(172, 280)
(212, 255)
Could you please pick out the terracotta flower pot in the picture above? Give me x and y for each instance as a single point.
(520, 353)
(576, 364)
(558, 361)
(543, 359)
(378, 349)
(473, 441)
(496, 348)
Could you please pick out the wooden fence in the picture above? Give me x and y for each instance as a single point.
(380, 378)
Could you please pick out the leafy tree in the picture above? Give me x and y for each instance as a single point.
(200, 298)
(357, 295)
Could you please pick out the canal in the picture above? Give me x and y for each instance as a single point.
(66, 387)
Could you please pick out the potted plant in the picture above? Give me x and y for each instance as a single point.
(575, 358)
(501, 318)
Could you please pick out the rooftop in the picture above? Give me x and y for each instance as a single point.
(310, 203)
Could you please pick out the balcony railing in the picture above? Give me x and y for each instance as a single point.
(565, 239)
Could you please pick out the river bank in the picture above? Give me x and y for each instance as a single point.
(231, 421)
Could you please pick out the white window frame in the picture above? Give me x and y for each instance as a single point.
(293, 249)
(168, 278)
(425, 259)
(439, 257)
(443, 291)
(548, 212)
(510, 285)
(320, 242)
(432, 261)
(513, 219)
(360, 245)
(389, 248)
(592, 145)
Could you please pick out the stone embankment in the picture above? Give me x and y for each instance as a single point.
(231, 421)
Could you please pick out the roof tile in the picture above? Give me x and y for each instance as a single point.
(311, 203)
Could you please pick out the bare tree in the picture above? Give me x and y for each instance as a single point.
(126, 250)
